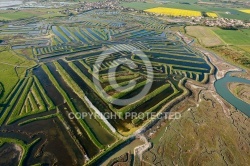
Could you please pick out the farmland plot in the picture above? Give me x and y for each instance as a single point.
(63, 83)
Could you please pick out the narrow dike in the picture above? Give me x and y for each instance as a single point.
(100, 115)
(99, 104)
(103, 136)
(85, 142)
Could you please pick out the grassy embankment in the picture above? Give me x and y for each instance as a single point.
(32, 100)
(19, 104)
(82, 35)
(155, 107)
(37, 118)
(74, 86)
(25, 147)
(12, 99)
(63, 34)
(28, 13)
(50, 104)
(72, 107)
(122, 111)
(12, 69)
(72, 34)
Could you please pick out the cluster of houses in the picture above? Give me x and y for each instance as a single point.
(107, 4)
(226, 23)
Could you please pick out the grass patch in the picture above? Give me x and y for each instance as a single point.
(50, 104)
(234, 37)
(37, 118)
(12, 99)
(121, 112)
(145, 5)
(155, 107)
(20, 102)
(140, 5)
(234, 54)
(204, 35)
(12, 68)
(15, 15)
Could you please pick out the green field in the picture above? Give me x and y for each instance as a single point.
(204, 35)
(60, 81)
(27, 13)
(10, 73)
(144, 6)
(233, 13)
(234, 37)
(232, 45)
(14, 15)
(140, 5)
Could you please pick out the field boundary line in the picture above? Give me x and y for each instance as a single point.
(219, 37)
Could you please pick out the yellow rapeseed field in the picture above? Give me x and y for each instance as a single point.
(209, 14)
(174, 12)
(246, 11)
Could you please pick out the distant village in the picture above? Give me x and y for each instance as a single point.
(224, 23)
(107, 4)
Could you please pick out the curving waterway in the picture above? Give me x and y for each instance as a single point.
(222, 89)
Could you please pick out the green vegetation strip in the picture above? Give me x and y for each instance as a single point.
(49, 102)
(63, 34)
(84, 78)
(12, 99)
(122, 111)
(128, 90)
(72, 107)
(144, 115)
(72, 34)
(92, 161)
(16, 112)
(121, 77)
(1, 89)
(36, 119)
(38, 98)
(85, 38)
(182, 60)
(89, 70)
(109, 87)
(67, 78)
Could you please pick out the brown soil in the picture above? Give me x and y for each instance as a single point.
(241, 91)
